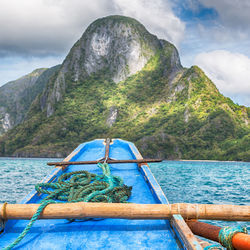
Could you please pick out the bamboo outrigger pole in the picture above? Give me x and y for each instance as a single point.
(127, 211)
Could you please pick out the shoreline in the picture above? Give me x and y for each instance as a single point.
(164, 160)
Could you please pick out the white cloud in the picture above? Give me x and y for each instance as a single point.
(232, 13)
(229, 71)
(157, 16)
(232, 23)
(47, 27)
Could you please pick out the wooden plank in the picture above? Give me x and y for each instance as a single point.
(109, 161)
(186, 235)
(203, 243)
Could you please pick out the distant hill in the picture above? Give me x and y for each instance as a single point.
(118, 80)
(17, 96)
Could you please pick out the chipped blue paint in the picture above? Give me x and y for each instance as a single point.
(177, 233)
(149, 177)
(154, 185)
(106, 233)
(195, 243)
(178, 216)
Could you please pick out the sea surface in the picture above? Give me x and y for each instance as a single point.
(205, 182)
(181, 181)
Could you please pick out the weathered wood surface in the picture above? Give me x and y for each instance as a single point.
(128, 211)
(107, 147)
(185, 233)
(101, 161)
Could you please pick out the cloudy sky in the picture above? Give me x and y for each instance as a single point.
(213, 34)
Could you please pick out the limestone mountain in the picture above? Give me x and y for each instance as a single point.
(116, 46)
(118, 80)
(17, 96)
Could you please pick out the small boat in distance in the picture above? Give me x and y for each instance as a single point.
(105, 232)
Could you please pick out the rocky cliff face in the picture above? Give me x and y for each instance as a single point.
(119, 80)
(117, 46)
(17, 96)
(12, 95)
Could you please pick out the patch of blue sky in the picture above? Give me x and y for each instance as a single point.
(11, 68)
(193, 11)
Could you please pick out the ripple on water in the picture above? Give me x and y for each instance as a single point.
(18, 177)
(205, 182)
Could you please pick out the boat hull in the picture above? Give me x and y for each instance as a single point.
(101, 233)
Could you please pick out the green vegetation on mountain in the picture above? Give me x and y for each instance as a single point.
(17, 96)
(166, 110)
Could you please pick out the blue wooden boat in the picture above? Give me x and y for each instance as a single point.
(105, 233)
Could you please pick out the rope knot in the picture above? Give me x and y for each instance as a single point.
(227, 233)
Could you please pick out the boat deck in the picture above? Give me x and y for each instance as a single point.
(101, 233)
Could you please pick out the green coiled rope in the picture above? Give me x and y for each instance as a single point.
(79, 186)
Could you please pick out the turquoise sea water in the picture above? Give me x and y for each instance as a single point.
(182, 181)
(205, 183)
(19, 175)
